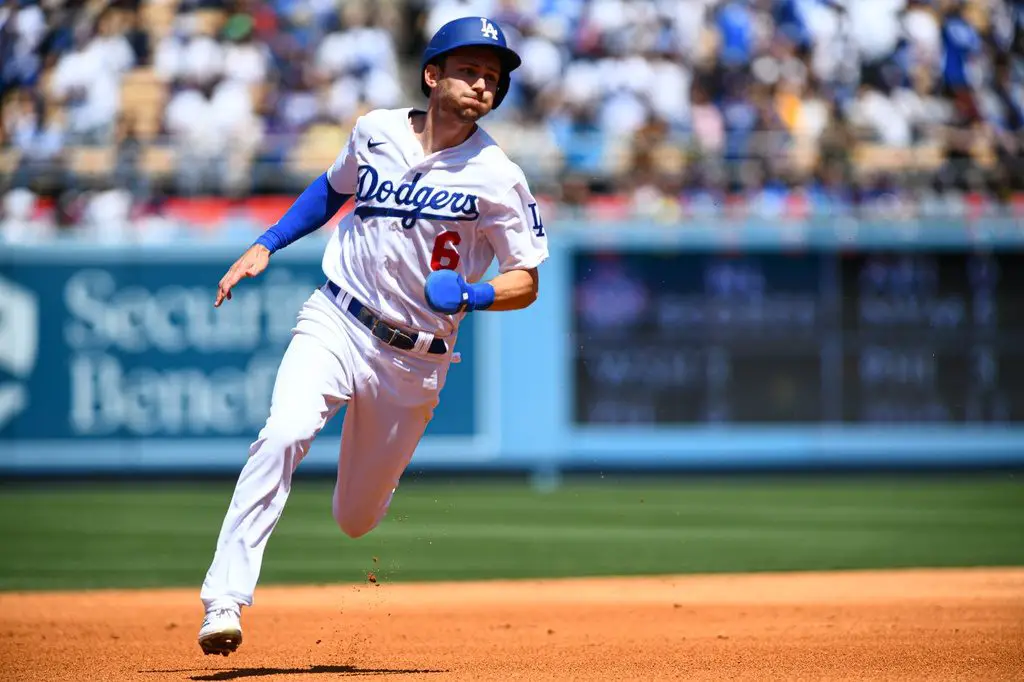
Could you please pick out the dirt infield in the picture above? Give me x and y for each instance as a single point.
(895, 625)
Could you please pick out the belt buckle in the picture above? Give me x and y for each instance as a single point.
(390, 340)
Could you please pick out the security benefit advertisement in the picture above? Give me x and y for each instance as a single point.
(859, 337)
(131, 348)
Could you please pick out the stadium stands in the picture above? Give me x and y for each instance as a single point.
(664, 108)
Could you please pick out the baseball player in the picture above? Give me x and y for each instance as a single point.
(436, 201)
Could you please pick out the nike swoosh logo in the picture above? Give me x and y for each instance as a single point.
(370, 144)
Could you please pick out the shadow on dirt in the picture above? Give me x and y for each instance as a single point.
(242, 673)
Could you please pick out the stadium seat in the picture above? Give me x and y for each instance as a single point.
(928, 157)
(317, 149)
(870, 158)
(143, 98)
(91, 162)
(9, 159)
(158, 161)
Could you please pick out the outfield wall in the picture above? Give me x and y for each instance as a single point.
(749, 345)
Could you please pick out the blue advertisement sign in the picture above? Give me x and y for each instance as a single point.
(126, 347)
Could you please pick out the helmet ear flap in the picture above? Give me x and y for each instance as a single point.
(504, 82)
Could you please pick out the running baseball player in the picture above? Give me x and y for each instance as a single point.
(436, 201)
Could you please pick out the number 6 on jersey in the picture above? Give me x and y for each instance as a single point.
(445, 256)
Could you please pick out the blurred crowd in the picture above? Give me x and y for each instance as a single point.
(656, 108)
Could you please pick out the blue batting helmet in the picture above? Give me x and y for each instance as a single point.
(472, 31)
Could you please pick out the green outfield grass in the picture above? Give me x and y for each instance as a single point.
(141, 534)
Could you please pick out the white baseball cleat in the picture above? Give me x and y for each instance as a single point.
(221, 632)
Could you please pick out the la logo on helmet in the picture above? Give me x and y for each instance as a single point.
(488, 29)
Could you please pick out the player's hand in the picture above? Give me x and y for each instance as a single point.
(448, 292)
(251, 263)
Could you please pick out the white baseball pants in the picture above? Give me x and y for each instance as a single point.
(331, 360)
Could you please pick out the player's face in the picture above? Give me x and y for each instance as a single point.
(468, 83)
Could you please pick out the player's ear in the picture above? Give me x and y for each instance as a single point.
(431, 75)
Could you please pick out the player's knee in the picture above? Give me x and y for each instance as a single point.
(355, 523)
(355, 527)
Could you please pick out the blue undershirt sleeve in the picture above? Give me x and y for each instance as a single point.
(315, 206)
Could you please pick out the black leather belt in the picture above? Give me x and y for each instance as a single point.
(382, 330)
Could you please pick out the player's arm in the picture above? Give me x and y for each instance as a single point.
(315, 206)
(448, 292)
(515, 289)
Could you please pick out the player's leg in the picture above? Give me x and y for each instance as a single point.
(313, 381)
(383, 425)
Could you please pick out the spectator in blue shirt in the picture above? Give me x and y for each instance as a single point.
(960, 42)
(736, 26)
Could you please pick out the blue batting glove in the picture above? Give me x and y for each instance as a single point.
(448, 292)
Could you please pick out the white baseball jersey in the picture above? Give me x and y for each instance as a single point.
(455, 209)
